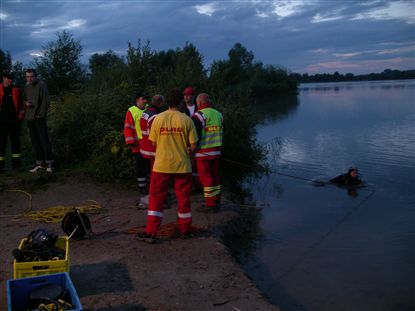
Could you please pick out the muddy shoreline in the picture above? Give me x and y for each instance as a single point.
(112, 271)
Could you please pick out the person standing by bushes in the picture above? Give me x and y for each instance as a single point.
(174, 136)
(133, 135)
(147, 150)
(11, 117)
(189, 107)
(209, 126)
(37, 103)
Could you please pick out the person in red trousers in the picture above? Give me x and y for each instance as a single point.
(147, 150)
(209, 126)
(174, 136)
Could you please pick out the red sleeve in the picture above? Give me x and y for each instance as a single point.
(130, 133)
(17, 102)
(143, 125)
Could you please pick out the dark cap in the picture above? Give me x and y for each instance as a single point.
(8, 74)
(139, 94)
(189, 91)
(352, 168)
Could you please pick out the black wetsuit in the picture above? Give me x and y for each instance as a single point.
(346, 180)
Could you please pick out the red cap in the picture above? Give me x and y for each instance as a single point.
(188, 91)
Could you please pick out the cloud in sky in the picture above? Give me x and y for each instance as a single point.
(302, 36)
(48, 27)
(206, 9)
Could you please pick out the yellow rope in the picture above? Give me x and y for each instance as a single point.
(26, 193)
(52, 214)
(56, 213)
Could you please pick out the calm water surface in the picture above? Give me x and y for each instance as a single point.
(325, 248)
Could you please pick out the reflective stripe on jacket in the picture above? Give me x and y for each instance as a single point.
(210, 142)
(147, 149)
(132, 131)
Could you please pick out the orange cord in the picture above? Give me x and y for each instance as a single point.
(168, 230)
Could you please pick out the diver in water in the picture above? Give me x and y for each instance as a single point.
(351, 178)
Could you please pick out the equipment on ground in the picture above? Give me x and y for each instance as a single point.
(39, 246)
(77, 225)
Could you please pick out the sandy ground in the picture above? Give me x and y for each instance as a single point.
(113, 271)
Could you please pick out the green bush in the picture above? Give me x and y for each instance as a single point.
(241, 154)
(111, 161)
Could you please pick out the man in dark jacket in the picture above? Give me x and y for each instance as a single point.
(37, 103)
(11, 116)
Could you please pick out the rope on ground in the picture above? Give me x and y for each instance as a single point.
(110, 222)
(27, 194)
(168, 230)
(55, 214)
(52, 214)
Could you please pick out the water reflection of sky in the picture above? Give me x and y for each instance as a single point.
(343, 129)
(321, 250)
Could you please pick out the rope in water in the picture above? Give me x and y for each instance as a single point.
(318, 182)
(327, 234)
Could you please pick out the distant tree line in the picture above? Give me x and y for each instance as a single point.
(387, 74)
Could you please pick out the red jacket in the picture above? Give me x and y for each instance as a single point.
(17, 101)
(130, 133)
(147, 149)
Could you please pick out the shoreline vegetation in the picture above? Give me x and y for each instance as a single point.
(387, 74)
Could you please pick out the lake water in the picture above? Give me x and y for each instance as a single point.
(324, 248)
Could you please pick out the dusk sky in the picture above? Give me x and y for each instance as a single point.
(312, 36)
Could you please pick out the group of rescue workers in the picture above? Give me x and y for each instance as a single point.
(181, 144)
(32, 105)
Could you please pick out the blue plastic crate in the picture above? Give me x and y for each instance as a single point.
(18, 290)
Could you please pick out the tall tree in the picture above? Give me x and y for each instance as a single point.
(139, 61)
(99, 63)
(239, 56)
(19, 74)
(107, 70)
(189, 68)
(60, 64)
(5, 61)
